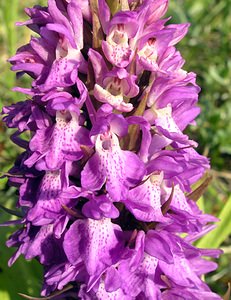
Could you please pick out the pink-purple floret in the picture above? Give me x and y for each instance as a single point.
(98, 211)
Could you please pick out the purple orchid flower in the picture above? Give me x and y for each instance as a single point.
(33, 241)
(153, 45)
(120, 30)
(55, 57)
(51, 146)
(110, 164)
(112, 86)
(25, 115)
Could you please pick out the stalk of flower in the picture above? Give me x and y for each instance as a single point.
(105, 179)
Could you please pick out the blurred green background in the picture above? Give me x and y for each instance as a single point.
(206, 49)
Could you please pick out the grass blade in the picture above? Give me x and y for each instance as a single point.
(215, 238)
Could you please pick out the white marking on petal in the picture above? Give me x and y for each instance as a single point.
(116, 101)
(165, 119)
(102, 294)
(118, 36)
(148, 265)
(149, 52)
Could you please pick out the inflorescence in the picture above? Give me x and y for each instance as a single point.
(105, 179)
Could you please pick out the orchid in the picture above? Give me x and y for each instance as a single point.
(106, 178)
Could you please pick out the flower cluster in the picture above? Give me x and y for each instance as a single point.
(105, 179)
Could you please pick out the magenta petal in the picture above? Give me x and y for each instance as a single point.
(119, 169)
(104, 14)
(95, 244)
(62, 30)
(72, 246)
(156, 246)
(135, 168)
(144, 201)
(98, 64)
(112, 280)
(156, 10)
(118, 55)
(63, 73)
(139, 281)
(99, 207)
(189, 294)
(76, 20)
(91, 177)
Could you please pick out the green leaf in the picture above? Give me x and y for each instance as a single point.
(216, 237)
(51, 296)
(23, 276)
(11, 211)
(201, 203)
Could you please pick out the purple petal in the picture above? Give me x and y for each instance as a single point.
(98, 64)
(120, 169)
(118, 55)
(156, 246)
(99, 207)
(95, 244)
(144, 201)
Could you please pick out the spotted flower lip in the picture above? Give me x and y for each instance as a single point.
(105, 180)
(97, 233)
(102, 167)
